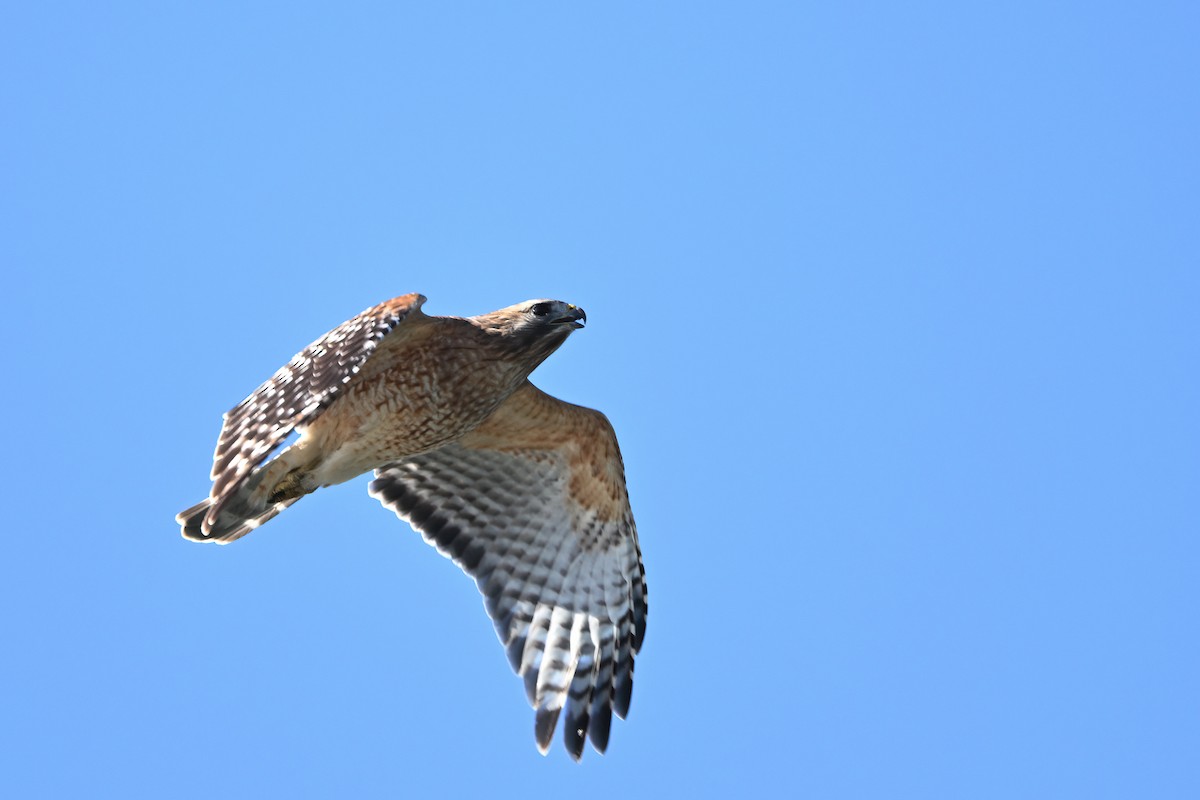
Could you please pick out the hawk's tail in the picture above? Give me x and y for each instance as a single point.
(229, 526)
(259, 497)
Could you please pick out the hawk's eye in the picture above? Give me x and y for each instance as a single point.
(540, 309)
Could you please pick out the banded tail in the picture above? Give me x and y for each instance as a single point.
(254, 499)
(229, 526)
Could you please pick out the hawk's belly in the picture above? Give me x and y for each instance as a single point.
(402, 412)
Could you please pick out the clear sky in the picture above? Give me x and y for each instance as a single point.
(894, 307)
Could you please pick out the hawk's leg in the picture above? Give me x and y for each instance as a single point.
(283, 479)
(290, 488)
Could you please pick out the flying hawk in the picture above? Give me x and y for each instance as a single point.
(524, 492)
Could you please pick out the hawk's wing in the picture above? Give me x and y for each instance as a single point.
(297, 393)
(532, 504)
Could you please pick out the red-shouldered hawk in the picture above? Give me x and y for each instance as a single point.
(524, 492)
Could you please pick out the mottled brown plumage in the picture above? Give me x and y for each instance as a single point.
(524, 492)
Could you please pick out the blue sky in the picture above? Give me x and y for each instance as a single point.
(893, 307)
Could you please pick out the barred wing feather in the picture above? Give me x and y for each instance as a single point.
(533, 506)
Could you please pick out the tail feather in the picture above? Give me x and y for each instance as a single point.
(259, 497)
(229, 526)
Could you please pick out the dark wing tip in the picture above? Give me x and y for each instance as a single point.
(574, 738)
(600, 724)
(623, 692)
(543, 727)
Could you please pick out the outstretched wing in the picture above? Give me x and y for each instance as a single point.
(533, 505)
(297, 393)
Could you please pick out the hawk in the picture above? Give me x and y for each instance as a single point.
(524, 492)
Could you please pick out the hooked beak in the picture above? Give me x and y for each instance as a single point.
(575, 316)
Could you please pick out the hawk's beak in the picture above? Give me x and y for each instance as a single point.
(575, 315)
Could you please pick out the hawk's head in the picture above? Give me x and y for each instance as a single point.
(534, 319)
(536, 327)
